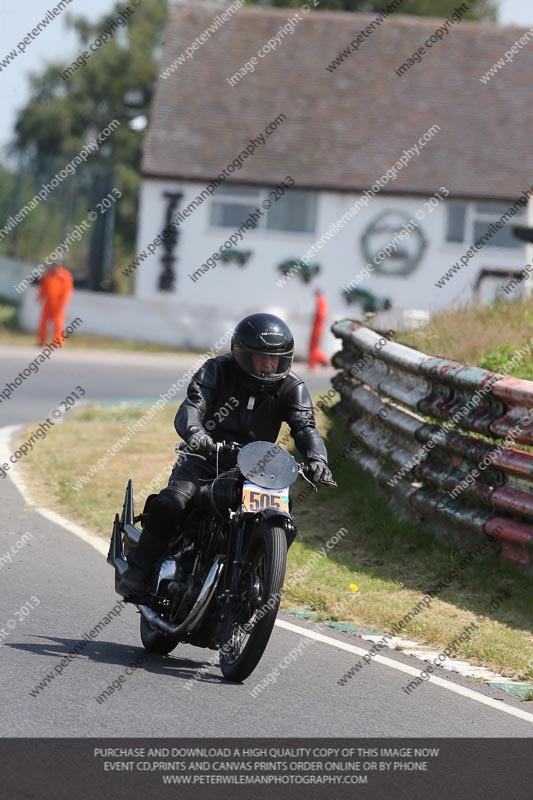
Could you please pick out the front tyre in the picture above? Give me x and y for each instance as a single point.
(247, 625)
(156, 640)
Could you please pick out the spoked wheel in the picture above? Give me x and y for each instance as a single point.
(246, 626)
(156, 640)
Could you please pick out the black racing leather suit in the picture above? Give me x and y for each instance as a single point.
(217, 381)
(219, 404)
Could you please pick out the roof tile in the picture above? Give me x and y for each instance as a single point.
(345, 128)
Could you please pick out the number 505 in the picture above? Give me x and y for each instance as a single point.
(258, 501)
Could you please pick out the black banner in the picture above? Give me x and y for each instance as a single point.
(373, 769)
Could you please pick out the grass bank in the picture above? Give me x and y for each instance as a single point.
(478, 335)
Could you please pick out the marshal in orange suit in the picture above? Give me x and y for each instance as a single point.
(316, 355)
(55, 290)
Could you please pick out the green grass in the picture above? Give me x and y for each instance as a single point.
(478, 335)
(392, 561)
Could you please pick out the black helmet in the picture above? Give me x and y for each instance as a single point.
(262, 334)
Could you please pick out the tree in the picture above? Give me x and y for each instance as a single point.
(477, 9)
(64, 112)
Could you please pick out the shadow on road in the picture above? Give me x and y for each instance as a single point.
(120, 655)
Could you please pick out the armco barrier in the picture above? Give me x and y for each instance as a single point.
(440, 436)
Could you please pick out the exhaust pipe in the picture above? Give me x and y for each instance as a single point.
(197, 611)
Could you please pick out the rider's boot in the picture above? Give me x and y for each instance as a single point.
(135, 582)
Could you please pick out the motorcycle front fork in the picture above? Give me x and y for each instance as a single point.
(234, 563)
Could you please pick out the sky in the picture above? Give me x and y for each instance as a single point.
(55, 42)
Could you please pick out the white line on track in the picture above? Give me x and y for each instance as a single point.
(6, 435)
(389, 662)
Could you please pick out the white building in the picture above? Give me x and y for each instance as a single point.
(365, 148)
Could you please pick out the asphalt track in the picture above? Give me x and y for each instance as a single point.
(69, 577)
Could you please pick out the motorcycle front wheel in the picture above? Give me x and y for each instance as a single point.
(246, 627)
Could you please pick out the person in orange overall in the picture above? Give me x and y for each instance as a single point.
(55, 290)
(316, 356)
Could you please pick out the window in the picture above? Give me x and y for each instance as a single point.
(467, 222)
(232, 206)
(456, 223)
(293, 212)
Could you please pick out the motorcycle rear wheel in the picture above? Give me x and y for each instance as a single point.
(240, 652)
(155, 640)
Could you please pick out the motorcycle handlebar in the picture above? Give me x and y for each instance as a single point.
(303, 472)
(227, 447)
(233, 447)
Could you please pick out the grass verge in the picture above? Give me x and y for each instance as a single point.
(392, 562)
(470, 334)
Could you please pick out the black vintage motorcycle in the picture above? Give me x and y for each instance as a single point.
(220, 583)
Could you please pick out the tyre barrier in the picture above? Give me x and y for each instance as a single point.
(440, 436)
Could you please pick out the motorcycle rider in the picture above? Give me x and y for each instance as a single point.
(256, 388)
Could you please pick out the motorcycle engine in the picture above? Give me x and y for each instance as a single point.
(184, 594)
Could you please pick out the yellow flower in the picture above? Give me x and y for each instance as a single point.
(354, 587)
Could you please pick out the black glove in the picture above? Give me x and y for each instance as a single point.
(318, 472)
(201, 443)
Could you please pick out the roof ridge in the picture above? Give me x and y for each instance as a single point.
(348, 120)
(208, 7)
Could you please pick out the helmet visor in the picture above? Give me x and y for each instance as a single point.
(268, 367)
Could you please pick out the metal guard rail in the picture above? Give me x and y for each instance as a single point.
(414, 416)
